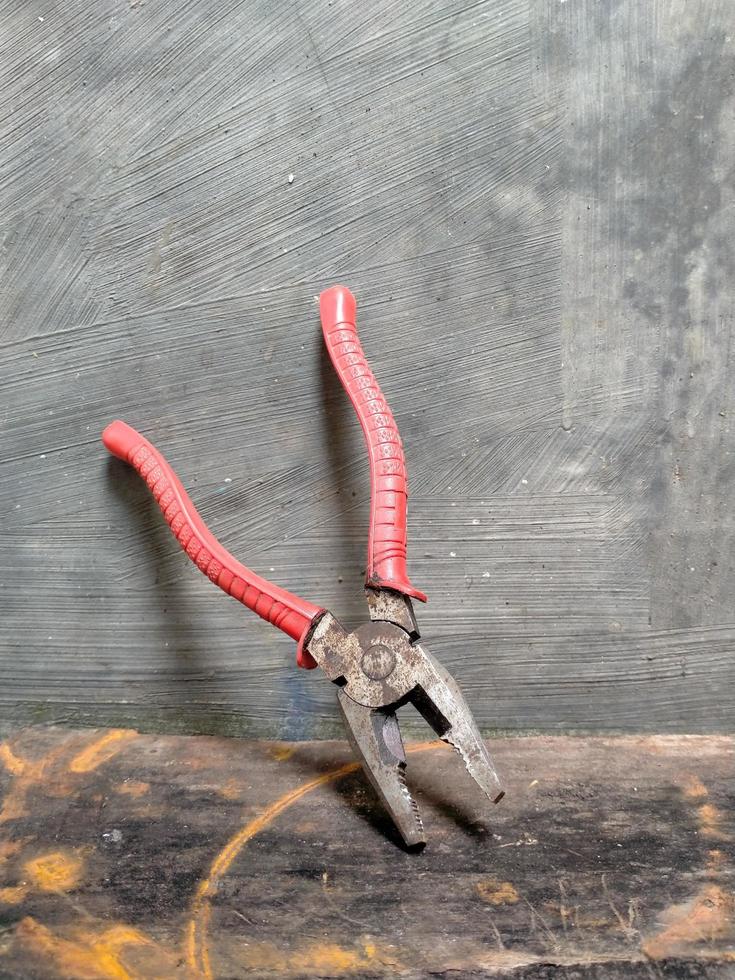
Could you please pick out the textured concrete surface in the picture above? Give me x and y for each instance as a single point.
(534, 206)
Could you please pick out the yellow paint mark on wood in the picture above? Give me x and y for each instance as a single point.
(710, 915)
(27, 773)
(52, 772)
(133, 787)
(86, 954)
(716, 860)
(13, 894)
(330, 958)
(315, 959)
(197, 949)
(196, 939)
(710, 822)
(709, 817)
(692, 787)
(706, 918)
(232, 789)
(497, 892)
(13, 807)
(57, 871)
(102, 749)
(281, 752)
(13, 763)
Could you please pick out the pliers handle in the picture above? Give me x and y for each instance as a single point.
(293, 615)
(386, 565)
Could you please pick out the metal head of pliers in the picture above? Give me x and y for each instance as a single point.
(381, 665)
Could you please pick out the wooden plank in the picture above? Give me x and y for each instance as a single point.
(530, 201)
(126, 855)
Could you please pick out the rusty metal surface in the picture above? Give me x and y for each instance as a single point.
(137, 857)
(377, 663)
(392, 607)
(379, 668)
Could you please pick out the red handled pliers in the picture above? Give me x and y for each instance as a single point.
(381, 665)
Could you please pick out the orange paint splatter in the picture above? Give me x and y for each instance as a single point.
(13, 894)
(132, 787)
(716, 860)
(101, 750)
(497, 892)
(27, 773)
(704, 919)
(692, 787)
(50, 771)
(57, 871)
(232, 789)
(710, 915)
(13, 763)
(315, 959)
(710, 822)
(85, 954)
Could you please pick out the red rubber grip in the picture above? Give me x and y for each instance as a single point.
(387, 536)
(288, 612)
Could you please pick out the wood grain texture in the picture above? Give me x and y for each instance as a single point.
(533, 204)
(160, 857)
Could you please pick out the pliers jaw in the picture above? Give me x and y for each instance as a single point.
(376, 741)
(378, 668)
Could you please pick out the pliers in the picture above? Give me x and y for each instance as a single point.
(381, 665)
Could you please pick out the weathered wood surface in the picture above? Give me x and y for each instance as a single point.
(129, 856)
(533, 202)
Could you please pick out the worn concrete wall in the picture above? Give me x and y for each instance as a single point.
(534, 205)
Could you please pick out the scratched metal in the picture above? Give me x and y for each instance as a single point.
(532, 204)
(379, 671)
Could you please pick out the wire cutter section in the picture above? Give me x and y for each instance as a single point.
(380, 666)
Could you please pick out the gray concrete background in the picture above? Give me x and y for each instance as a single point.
(534, 206)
